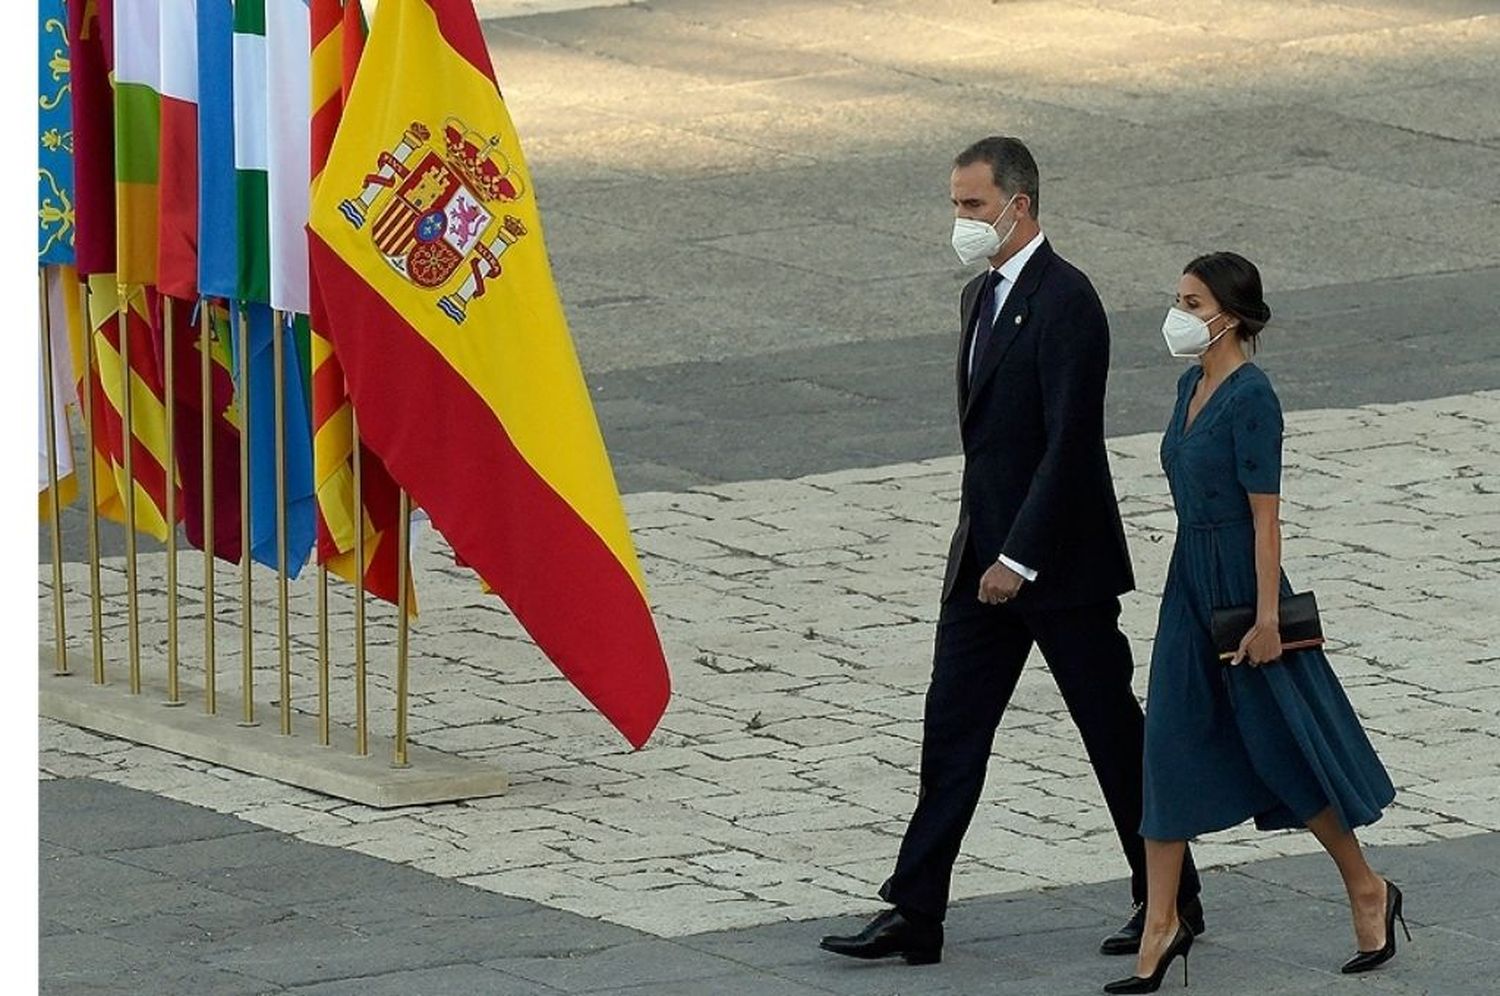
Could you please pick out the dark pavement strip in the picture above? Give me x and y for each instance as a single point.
(144, 894)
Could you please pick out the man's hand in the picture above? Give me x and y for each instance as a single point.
(999, 584)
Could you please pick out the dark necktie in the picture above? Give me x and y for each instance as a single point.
(984, 320)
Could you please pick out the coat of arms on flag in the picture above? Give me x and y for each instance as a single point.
(440, 213)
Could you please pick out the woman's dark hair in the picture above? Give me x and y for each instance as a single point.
(1235, 283)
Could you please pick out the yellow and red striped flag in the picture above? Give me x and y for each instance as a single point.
(458, 357)
(338, 33)
(148, 410)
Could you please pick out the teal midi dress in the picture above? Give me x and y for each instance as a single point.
(1279, 742)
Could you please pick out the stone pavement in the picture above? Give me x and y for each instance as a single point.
(798, 616)
(747, 213)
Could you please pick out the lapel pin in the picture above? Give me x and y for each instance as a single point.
(1018, 319)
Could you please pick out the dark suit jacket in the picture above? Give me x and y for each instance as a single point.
(1036, 483)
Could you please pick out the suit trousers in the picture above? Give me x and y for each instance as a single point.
(979, 653)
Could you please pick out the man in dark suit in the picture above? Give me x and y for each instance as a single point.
(1038, 557)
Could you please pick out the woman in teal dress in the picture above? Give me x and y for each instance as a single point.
(1270, 735)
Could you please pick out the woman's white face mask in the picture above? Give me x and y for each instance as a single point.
(1188, 336)
(975, 240)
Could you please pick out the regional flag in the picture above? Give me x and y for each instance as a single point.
(224, 419)
(177, 206)
(338, 35)
(251, 155)
(288, 156)
(55, 141)
(137, 25)
(65, 337)
(218, 214)
(91, 51)
(252, 295)
(148, 409)
(300, 526)
(458, 356)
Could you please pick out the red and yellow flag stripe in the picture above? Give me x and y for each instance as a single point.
(337, 40)
(333, 442)
(148, 410)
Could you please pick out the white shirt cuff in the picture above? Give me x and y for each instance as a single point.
(1025, 572)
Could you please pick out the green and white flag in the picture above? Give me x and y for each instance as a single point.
(252, 158)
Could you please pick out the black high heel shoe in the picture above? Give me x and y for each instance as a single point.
(1182, 943)
(1366, 960)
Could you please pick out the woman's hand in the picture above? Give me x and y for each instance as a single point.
(1260, 646)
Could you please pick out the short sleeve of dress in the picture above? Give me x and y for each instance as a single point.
(1257, 439)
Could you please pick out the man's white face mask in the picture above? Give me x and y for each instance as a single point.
(975, 240)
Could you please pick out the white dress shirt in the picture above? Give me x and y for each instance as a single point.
(1009, 271)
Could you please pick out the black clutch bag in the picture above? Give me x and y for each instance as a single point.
(1300, 626)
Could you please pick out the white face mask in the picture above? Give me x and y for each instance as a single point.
(974, 240)
(1187, 335)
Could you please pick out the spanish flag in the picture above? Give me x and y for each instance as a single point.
(458, 358)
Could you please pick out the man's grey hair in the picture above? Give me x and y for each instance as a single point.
(1010, 163)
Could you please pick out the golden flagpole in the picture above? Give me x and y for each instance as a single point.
(49, 392)
(127, 415)
(361, 726)
(247, 641)
(324, 723)
(403, 628)
(174, 691)
(279, 380)
(95, 596)
(206, 394)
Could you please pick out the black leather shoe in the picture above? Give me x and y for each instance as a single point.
(888, 934)
(1127, 940)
